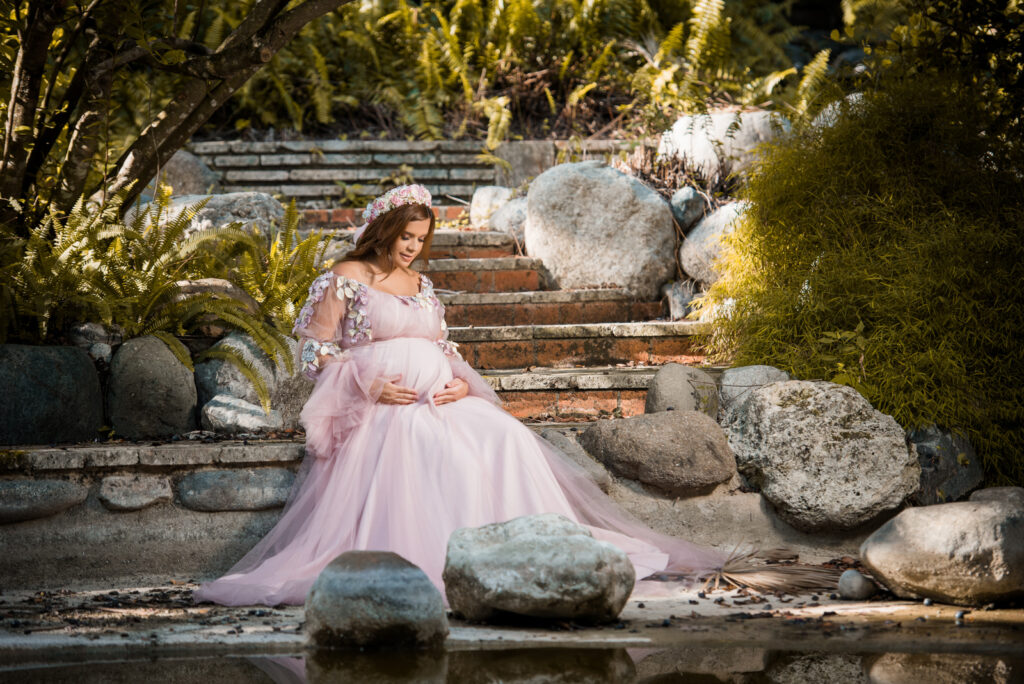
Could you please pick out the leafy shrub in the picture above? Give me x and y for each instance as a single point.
(886, 252)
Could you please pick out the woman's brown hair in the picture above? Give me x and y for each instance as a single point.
(382, 232)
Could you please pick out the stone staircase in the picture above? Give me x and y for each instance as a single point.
(552, 355)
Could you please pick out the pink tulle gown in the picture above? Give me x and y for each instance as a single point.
(402, 478)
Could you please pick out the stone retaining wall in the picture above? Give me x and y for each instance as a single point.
(97, 515)
(313, 172)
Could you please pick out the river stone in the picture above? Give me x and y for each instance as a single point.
(821, 454)
(31, 499)
(854, 586)
(150, 393)
(251, 489)
(486, 200)
(595, 226)
(374, 599)
(578, 458)
(511, 218)
(134, 492)
(704, 243)
(676, 387)
(943, 668)
(231, 415)
(543, 566)
(965, 552)
(726, 139)
(949, 466)
(50, 395)
(254, 210)
(687, 206)
(680, 453)
(735, 384)
(1011, 495)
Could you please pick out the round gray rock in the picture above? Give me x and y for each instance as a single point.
(728, 138)
(31, 499)
(187, 174)
(511, 218)
(50, 394)
(949, 466)
(704, 243)
(374, 599)
(150, 393)
(687, 206)
(1010, 495)
(539, 566)
(735, 384)
(255, 210)
(821, 454)
(249, 489)
(486, 200)
(680, 453)
(682, 388)
(965, 552)
(854, 586)
(231, 415)
(595, 226)
(134, 492)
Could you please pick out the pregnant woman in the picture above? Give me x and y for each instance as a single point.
(405, 442)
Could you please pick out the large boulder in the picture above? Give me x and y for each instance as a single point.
(726, 140)
(595, 226)
(949, 467)
(187, 174)
(735, 384)
(374, 599)
(254, 210)
(542, 566)
(965, 552)
(511, 218)
(150, 392)
(676, 387)
(1010, 495)
(679, 453)
(703, 244)
(821, 454)
(50, 394)
(486, 200)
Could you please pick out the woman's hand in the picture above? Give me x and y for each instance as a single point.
(454, 390)
(391, 393)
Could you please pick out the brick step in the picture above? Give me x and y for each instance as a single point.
(505, 274)
(570, 395)
(589, 344)
(547, 307)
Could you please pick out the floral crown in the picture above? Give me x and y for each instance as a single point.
(394, 198)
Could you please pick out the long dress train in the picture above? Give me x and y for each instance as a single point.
(402, 478)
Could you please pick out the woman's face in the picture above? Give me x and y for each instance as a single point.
(410, 241)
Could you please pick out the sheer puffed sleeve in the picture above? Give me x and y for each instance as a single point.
(335, 335)
(478, 387)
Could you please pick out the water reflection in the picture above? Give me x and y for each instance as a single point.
(689, 665)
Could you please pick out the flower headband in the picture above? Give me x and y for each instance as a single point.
(392, 199)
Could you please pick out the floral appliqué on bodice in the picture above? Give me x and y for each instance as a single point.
(355, 327)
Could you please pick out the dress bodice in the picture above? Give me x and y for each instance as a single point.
(342, 313)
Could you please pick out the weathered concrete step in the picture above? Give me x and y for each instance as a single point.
(505, 274)
(546, 307)
(572, 395)
(591, 344)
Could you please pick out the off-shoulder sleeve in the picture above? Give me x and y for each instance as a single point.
(478, 387)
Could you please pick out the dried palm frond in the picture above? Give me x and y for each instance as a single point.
(744, 569)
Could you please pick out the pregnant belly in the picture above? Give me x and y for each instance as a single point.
(420, 364)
